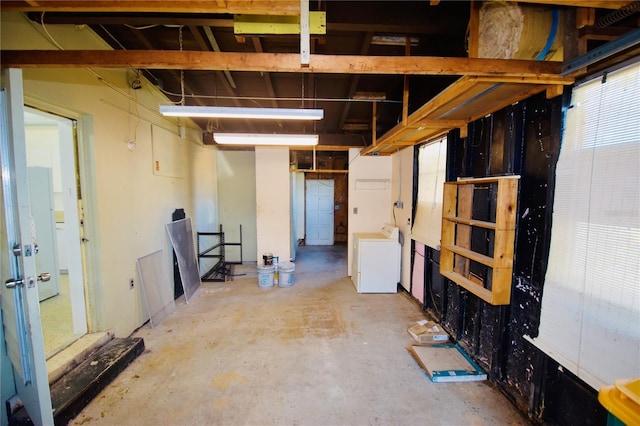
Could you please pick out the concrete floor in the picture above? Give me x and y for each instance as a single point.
(316, 353)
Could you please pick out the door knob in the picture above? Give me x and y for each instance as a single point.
(13, 283)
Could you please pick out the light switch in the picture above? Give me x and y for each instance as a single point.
(355, 210)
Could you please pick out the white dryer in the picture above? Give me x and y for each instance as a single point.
(376, 261)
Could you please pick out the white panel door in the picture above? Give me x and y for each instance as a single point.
(44, 227)
(319, 212)
(20, 304)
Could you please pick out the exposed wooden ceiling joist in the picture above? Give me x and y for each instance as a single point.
(257, 7)
(428, 28)
(285, 62)
(605, 4)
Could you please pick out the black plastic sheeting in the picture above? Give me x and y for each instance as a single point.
(521, 139)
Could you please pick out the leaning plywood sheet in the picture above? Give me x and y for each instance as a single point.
(447, 363)
(156, 288)
(181, 236)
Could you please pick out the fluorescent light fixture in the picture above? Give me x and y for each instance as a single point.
(241, 112)
(265, 139)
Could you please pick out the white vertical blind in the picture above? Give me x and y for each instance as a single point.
(590, 319)
(432, 162)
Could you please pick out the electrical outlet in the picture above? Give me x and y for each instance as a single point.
(131, 283)
(399, 204)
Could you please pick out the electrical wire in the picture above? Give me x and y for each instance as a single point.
(267, 98)
(44, 28)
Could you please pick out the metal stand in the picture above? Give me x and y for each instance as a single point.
(221, 270)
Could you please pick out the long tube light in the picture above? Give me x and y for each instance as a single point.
(241, 112)
(265, 139)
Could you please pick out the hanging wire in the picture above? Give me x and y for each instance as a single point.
(302, 97)
(44, 28)
(182, 98)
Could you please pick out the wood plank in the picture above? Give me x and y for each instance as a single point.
(604, 4)
(507, 202)
(256, 7)
(472, 222)
(494, 179)
(280, 62)
(503, 247)
(464, 210)
(469, 254)
(474, 29)
(554, 91)
(501, 286)
(448, 230)
(469, 285)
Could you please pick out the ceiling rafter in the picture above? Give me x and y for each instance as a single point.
(175, 75)
(428, 28)
(285, 62)
(219, 74)
(257, 45)
(258, 7)
(364, 49)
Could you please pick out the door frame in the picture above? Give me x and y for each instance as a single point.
(85, 156)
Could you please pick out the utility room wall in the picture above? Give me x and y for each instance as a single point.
(370, 204)
(237, 197)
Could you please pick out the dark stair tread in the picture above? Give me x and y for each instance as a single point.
(77, 388)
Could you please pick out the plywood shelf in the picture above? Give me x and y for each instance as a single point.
(456, 255)
(471, 222)
(470, 254)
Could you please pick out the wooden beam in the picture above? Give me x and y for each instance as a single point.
(216, 48)
(257, 45)
(364, 48)
(279, 62)
(604, 4)
(474, 29)
(255, 7)
(553, 91)
(374, 124)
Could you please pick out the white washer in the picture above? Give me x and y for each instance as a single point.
(376, 261)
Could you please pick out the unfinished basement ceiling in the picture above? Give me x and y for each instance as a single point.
(364, 29)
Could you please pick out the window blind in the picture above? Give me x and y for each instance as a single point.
(432, 161)
(590, 318)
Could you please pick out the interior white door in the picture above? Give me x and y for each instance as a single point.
(44, 227)
(319, 212)
(20, 301)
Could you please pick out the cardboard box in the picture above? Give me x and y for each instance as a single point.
(428, 333)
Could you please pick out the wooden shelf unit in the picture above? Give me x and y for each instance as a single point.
(457, 224)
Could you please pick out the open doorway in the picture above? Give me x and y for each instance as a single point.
(55, 194)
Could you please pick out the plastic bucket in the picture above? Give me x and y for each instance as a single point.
(265, 275)
(285, 274)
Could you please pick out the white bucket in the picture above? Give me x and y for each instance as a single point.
(265, 276)
(285, 274)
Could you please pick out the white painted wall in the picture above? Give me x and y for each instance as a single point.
(237, 197)
(370, 193)
(273, 207)
(402, 190)
(130, 203)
